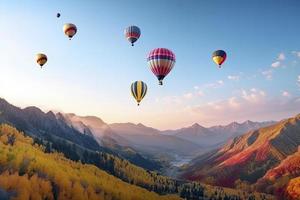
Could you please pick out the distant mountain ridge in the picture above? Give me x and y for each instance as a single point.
(216, 134)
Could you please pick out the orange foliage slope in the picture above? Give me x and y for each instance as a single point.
(26, 172)
(293, 189)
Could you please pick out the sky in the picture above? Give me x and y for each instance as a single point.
(92, 73)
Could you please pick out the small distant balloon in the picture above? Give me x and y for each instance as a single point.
(58, 15)
(138, 90)
(70, 30)
(219, 57)
(41, 59)
(132, 34)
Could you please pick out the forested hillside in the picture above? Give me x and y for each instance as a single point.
(27, 172)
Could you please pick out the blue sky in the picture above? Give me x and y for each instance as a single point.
(91, 74)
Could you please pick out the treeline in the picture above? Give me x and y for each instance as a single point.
(197, 191)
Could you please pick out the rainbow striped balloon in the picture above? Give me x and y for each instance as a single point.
(161, 62)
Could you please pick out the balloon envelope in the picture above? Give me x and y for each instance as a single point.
(219, 57)
(161, 62)
(138, 90)
(70, 30)
(132, 34)
(41, 59)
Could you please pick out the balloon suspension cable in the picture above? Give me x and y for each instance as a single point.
(219, 66)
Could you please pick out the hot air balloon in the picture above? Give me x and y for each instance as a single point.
(138, 90)
(58, 15)
(161, 62)
(132, 34)
(219, 57)
(41, 59)
(70, 30)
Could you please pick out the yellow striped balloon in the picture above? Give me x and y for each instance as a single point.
(41, 59)
(138, 90)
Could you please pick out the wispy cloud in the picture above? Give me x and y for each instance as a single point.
(298, 81)
(250, 104)
(276, 64)
(233, 77)
(281, 57)
(214, 85)
(200, 93)
(188, 95)
(253, 95)
(268, 74)
(296, 53)
(285, 94)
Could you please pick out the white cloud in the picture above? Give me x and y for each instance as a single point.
(281, 56)
(296, 53)
(233, 77)
(298, 80)
(286, 94)
(233, 102)
(268, 74)
(188, 95)
(253, 95)
(240, 109)
(221, 82)
(200, 93)
(275, 64)
(196, 87)
(214, 85)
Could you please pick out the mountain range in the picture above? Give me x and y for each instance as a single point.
(120, 149)
(135, 142)
(266, 157)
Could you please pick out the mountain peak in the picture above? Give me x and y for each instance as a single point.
(197, 126)
(33, 109)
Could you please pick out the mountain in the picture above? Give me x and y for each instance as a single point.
(151, 141)
(247, 157)
(54, 132)
(36, 123)
(96, 127)
(235, 129)
(27, 172)
(279, 179)
(216, 135)
(195, 133)
(107, 138)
